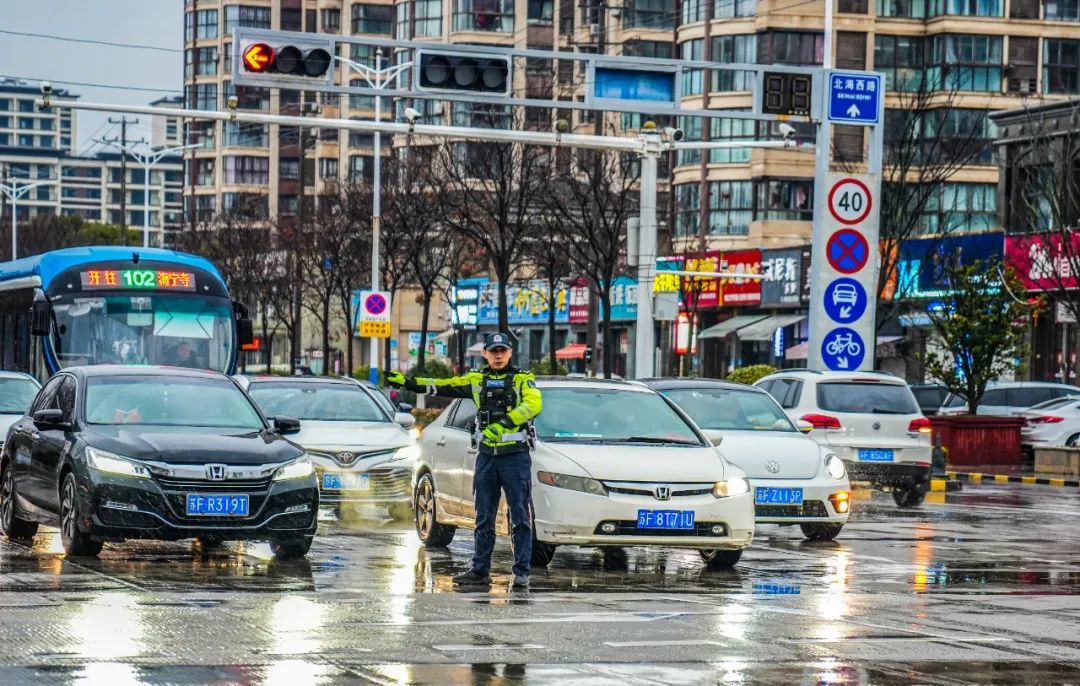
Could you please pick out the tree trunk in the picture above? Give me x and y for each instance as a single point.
(386, 341)
(605, 329)
(326, 336)
(425, 313)
(504, 314)
(551, 327)
(347, 302)
(266, 338)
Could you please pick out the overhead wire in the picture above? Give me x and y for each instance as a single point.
(90, 41)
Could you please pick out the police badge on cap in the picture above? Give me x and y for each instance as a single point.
(497, 340)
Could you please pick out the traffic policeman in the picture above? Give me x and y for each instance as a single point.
(507, 400)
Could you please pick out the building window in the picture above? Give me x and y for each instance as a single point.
(687, 209)
(791, 47)
(5, 139)
(734, 8)
(731, 130)
(852, 6)
(965, 62)
(201, 96)
(1063, 10)
(967, 8)
(960, 207)
(959, 133)
(243, 15)
(206, 61)
(289, 168)
(731, 207)
(292, 20)
(692, 11)
(26, 141)
(480, 114)
(648, 48)
(484, 15)
(1061, 66)
(692, 79)
(785, 200)
(738, 48)
(694, 131)
(908, 9)
(247, 135)
(331, 21)
(248, 97)
(541, 11)
(648, 14)
(26, 105)
(206, 24)
(328, 168)
(26, 123)
(249, 204)
(361, 167)
(900, 58)
(247, 169)
(428, 18)
(373, 19)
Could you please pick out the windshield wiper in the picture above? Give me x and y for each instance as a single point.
(658, 440)
(878, 410)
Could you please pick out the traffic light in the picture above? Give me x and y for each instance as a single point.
(269, 60)
(463, 72)
(587, 355)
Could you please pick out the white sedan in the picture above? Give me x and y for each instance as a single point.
(1051, 423)
(615, 464)
(795, 480)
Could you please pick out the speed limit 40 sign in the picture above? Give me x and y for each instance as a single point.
(850, 201)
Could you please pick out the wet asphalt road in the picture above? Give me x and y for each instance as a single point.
(978, 587)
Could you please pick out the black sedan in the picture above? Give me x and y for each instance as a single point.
(111, 453)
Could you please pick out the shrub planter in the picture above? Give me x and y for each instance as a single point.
(975, 443)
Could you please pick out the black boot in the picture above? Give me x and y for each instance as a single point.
(472, 578)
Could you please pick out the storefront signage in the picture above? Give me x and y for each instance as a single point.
(527, 301)
(1043, 262)
(783, 282)
(922, 270)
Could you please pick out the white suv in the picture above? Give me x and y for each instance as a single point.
(870, 419)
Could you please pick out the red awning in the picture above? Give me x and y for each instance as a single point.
(574, 351)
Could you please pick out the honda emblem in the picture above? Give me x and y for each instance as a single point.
(217, 472)
(663, 492)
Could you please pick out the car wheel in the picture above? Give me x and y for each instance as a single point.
(1073, 440)
(75, 542)
(400, 512)
(290, 548)
(432, 534)
(821, 532)
(542, 553)
(721, 559)
(13, 526)
(909, 496)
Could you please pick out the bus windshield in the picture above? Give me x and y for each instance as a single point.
(176, 330)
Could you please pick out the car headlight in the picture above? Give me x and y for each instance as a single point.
(574, 483)
(736, 485)
(835, 466)
(111, 463)
(408, 452)
(297, 469)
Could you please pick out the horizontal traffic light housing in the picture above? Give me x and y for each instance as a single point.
(463, 72)
(267, 61)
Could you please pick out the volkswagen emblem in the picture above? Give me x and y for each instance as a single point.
(773, 466)
(217, 472)
(663, 492)
(345, 457)
(877, 426)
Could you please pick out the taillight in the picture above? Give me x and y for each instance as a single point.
(1046, 419)
(821, 421)
(920, 426)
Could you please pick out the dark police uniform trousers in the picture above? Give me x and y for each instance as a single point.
(512, 473)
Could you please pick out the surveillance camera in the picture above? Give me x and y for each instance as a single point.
(412, 115)
(787, 131)
(46, 88)
(674, 135)
(233, 102)
(562, 126)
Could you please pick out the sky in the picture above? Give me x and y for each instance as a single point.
(157, 23)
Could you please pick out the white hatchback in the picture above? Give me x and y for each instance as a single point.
(869, 419)
(795, 480)
(616, 464)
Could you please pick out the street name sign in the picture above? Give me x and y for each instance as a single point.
(854, 98)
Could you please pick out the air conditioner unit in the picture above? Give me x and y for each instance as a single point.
(594, 29)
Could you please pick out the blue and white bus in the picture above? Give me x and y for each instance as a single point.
(114, 305)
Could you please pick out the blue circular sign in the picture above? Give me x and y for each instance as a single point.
(843, 349)
(375, 304)
(845, 300)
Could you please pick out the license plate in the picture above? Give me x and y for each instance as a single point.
(336, 482)
(778, 496)
(665, 519)
(229, 505)
(875, 455)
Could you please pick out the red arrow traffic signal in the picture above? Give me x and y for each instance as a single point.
(258, 57)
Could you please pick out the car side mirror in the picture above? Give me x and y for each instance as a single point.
(804, 426)
(716, 440)
(405, 419)
(286, 426)
(50, 419)
(245, 331)
(404, 407)
(40, 315)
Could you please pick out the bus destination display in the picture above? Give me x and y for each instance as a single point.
(142, 279)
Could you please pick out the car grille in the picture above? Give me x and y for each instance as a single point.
(649, 490)
(176, 491)
(630, 528)
(384, 483)
(809, 508)
(351, 456)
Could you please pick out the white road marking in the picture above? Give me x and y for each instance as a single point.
(648, 644)
(461, 647)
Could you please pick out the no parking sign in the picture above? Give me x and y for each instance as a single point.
(375, 314)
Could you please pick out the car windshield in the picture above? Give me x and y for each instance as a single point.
(175, 330)
(169, 401)
(730, 409)
(323, 402)
(384, 402)
(611, 415)
(16, 395)
(866, 397)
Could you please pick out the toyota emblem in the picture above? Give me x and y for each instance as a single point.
(345, 457)
(217, 472)
(663, 492)
(773, 466)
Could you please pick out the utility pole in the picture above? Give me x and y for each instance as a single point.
(123, 122)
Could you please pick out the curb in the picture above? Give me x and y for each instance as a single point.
(976, 477)
(946, 485)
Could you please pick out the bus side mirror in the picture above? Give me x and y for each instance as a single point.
(40, 315)
(245, 332)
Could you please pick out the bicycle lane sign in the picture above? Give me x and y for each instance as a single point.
(843, 349)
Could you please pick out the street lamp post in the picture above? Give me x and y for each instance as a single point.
(377, 78)
(14, 192)
(148, 160)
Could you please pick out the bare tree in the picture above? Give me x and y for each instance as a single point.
(353, 272)
(594, 197)
(45, 232)
(552, 264)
